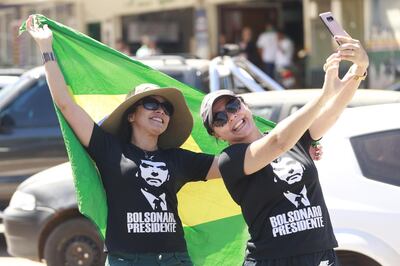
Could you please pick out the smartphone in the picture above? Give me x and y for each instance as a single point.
(332, 25)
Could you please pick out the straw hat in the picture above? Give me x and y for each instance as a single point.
(180, 124)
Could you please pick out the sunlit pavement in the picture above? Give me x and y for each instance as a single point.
(7, 261)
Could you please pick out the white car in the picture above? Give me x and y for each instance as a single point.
(276, 105)
(360, 177)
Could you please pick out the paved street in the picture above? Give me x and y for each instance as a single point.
(6, 260)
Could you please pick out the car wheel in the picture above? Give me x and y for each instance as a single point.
(74, 243)
(349, 258)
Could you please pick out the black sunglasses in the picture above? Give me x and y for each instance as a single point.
(152, 104)
(221, 118)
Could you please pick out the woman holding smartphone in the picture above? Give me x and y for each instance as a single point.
(271, 175)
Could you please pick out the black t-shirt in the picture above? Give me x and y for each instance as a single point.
(141, 192)
(282, 203)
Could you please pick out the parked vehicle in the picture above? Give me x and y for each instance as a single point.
(276, 105)
(191, 71)
(228, 71)
(30, 138)
(234, 72)
(43, 222)
(359, 174)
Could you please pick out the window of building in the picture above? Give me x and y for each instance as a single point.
(94, 30)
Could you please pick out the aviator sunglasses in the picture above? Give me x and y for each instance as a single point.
(152, 104)
(221, 118)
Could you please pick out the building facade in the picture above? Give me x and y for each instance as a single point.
(199, 27)
(195, 27)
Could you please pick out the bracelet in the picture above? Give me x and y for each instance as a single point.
(48, 56)
(358, 77)
(315, 143)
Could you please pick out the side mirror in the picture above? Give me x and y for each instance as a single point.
(6, 123)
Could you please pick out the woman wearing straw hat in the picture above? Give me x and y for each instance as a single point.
(136, 150)
(272, 177)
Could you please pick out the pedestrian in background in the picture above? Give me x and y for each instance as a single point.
(148, 47)
(267, 44)
(121, 46)
(248, 47)
(285, 51)
(285, 71)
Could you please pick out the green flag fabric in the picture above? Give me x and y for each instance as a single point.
(99, 77)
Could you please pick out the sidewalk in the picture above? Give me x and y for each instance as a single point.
(18, 262)
(6, 260)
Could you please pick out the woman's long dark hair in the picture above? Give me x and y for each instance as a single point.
(125, 130)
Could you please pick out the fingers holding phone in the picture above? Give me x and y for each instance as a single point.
(352, 50)
(349, 49)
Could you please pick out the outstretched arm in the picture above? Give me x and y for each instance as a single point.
(350, 50)
(288, 132)
(78, 119)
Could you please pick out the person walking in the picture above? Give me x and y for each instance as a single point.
(136, 150)
(248, 47)
(267, 44)
(285, 51)
(148, 47)
(271, 175)
(285, 70)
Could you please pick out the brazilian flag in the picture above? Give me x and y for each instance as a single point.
(99, 77)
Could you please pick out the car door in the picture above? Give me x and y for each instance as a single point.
(31, 140)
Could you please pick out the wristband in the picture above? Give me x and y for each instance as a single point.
(315, 143)
(48, 56)
(358, 77)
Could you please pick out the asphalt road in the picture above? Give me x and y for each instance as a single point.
(7, 260)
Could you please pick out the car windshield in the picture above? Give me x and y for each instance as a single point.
(10, 90)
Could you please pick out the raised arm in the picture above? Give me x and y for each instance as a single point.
(350, 50)
(288, 132)
(77, 118)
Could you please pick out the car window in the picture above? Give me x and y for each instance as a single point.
(9, 91)
(378, 155)
(33, 108)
